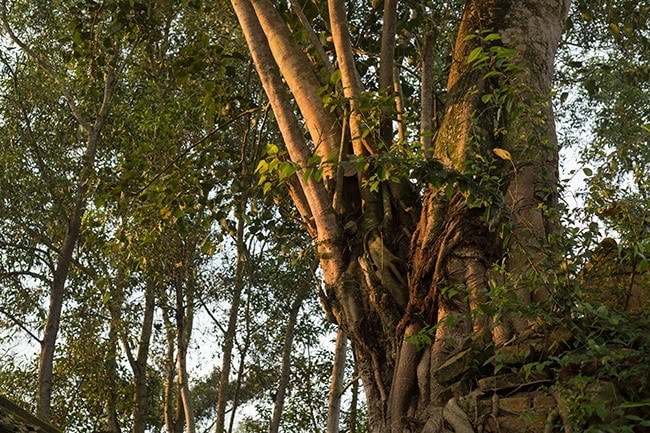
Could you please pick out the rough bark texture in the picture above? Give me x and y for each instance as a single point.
(395, 265)
(454, 245)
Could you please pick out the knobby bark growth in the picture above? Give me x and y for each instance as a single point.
(397, 264)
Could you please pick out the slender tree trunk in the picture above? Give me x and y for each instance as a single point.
(48, 343)
(184, 320)
(113, 424)
(243, 353)
(73, 223)
(336, 385)
(248, 158)
(169, 411)
(140, 361)
(285, 370)
(229, 337)
(354, 402)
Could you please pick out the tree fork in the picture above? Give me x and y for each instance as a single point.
(376, 297)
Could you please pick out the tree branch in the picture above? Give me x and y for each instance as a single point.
(20, 324)
(350, 79)
(301, 79)
(313, 38)
(386, 62)
(324, 219)
(76, 113)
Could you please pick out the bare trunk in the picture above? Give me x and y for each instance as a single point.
(231, 330)
(285, 370)
(354, 401)
(169, 412)
(112, 424)
(184, 320)
(427, 97)
(48, 343)
(139, 363)
(336, 386)
(243, 353)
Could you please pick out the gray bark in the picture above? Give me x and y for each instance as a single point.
(285, 369)
(336, 385)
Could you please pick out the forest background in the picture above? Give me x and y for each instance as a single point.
(154, 273)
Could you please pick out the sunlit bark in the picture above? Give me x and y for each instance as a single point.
(371, 292)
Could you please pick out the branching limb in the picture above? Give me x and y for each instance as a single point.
(313, 38)
(76, 113)
(313, 198)
(350, 79)
(301, 79)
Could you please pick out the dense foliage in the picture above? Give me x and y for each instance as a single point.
(185, 222)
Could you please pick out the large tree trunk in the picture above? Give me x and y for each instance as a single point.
(455, 244)
(498, 143)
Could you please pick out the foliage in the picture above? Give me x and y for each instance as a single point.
(163, 197)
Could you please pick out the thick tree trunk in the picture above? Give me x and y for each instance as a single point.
(364, 235)
(455, 244)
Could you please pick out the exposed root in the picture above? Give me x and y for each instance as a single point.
(434, 423)
(456, 417)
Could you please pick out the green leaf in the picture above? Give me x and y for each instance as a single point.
(286, 169)
(475, 54)
(335, 77)
(587, 171)
(262, 167)
(272, 149)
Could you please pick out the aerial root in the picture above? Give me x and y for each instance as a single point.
(456, 417)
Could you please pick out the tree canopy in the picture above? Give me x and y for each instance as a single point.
(198, 198)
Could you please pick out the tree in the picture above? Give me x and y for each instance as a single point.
(418, 148)
(397, 266)
(91, 120)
